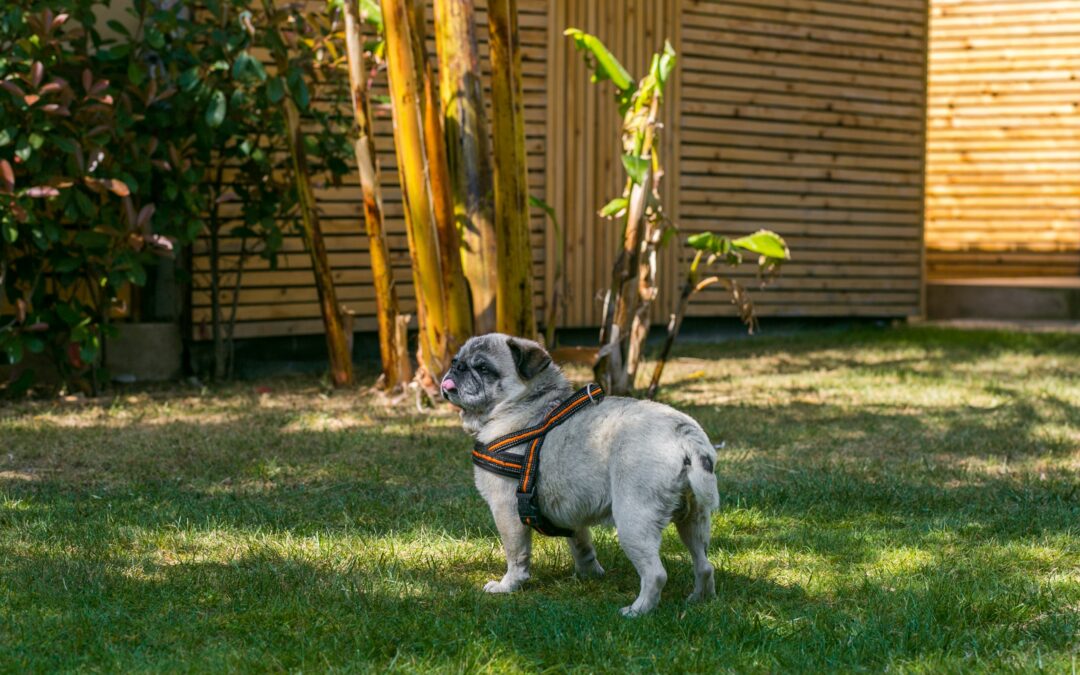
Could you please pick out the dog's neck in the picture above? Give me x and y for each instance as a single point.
(546, 391)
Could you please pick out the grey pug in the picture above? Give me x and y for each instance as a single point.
(636, 463)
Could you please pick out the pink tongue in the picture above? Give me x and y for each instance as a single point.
(449, 385)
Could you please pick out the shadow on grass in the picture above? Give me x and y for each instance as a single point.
(848, 537)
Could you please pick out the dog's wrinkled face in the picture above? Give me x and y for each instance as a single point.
(492, 369)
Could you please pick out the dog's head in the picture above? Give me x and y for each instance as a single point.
(491, 370)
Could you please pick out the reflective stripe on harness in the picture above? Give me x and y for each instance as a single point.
(526, 468)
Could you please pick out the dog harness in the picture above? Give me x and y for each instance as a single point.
(526, 468)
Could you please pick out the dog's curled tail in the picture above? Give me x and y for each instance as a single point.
(702, 464)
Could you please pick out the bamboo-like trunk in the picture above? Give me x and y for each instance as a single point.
(467, 152)
(407, 102)
(626, 324)
(397, 370)
(458, 312)
(341, 370)
(514, 298)
(337, 343)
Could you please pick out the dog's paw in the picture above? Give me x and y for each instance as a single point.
(629, 612)
(701, 596)
(497, 587)
(594, 571)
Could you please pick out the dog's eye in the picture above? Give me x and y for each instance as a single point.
(481, 368)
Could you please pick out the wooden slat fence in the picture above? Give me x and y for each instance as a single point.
(1003, 155)
(802, 116)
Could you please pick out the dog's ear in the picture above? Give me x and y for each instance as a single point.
(529, 357)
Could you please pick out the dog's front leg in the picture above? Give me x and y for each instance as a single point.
(517, 543)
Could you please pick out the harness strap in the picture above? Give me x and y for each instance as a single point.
(526, 468)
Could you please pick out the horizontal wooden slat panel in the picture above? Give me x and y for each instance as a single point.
(824, 146)
(1003, 147)
(802, 116)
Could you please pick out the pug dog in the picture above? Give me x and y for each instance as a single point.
(637, 464)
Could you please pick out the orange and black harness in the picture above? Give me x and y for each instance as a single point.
(526, 468)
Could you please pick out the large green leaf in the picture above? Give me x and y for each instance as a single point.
(275, 89)
(247, 68)
(636, 167)
(710, 243)
(372, 14)
(605, 65)
(215, 112)
(614, 207)
(766, 243)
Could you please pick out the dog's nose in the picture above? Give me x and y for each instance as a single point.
(448, 386)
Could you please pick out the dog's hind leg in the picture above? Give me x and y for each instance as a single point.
(639, 536)
(694, 530)
(581, 548)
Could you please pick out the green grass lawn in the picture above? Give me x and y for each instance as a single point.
(898, 499)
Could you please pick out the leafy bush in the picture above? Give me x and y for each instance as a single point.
(112, 152)
(96, 179)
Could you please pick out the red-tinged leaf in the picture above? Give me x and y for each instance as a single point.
(8, 174)
(62, 184)
(55, 109)
(94, 184)
(13, 88)
(152, 146)
(73, 356)
(161, 164)
(106, 99)
(20, 310)
(136, 241)
(58, 21)
(80, 159)
(20, 213)
(42, 191)
(145, 214)
(37, 73)
(39, 327)
(50, 88)
(31, 99)
(87, 80)
(98, 87)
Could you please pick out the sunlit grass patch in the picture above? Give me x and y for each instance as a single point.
(902, 499)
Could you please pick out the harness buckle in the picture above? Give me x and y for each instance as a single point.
(526, 507)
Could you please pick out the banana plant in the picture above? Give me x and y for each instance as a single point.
(713, 249)
(645, 227)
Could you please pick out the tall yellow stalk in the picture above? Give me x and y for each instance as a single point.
(514, 300)
(337, 342)
(407, 101)
(397, 369)
(467, 149)
(458, 312)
